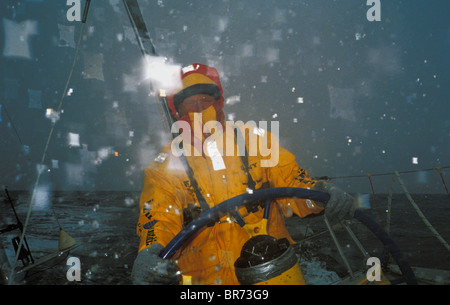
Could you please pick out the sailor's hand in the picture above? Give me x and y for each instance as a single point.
(341, 205)
(150, 269)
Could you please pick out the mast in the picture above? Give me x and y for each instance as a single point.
(147, 49)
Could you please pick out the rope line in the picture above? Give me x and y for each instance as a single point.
(421, 215)
(439, 169)
(375, 198)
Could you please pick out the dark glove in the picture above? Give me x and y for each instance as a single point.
(150, 269)
(341, 205)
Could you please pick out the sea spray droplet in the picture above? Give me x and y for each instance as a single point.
(129, 201)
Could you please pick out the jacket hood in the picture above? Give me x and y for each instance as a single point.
(198, 79)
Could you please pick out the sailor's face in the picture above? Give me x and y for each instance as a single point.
(195, 103)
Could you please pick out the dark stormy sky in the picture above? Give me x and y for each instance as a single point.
(351, 96)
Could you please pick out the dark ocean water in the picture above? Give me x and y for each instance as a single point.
(104, 224)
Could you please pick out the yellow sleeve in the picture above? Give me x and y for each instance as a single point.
(161, 216)
(287, 173)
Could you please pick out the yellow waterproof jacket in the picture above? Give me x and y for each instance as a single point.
(167, 194)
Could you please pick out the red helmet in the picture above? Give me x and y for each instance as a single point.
(198, 79)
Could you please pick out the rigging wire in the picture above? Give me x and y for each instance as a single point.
(437, 168)
(374, 198)
(12, 125)
(381, 174)
(40, 169)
